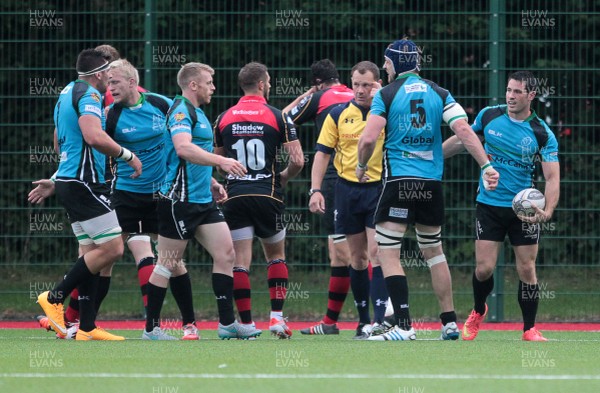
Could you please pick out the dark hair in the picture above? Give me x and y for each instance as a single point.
(531, 82)
(324, 71)
(88, 60)
(366, 66)
(251, 74)
(110, 53)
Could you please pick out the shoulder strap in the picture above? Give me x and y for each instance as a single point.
(189, 107)
(157, 102)
(79, 90)
(112, 118)
(541, 135)
(490, 115)
(389, 92)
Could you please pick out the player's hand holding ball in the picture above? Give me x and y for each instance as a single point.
(528, 205)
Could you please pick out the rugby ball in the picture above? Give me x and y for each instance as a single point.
(523, 202)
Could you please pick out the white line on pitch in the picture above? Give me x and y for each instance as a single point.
(303, 376)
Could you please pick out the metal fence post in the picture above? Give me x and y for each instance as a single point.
(149, 37)
(497, 65)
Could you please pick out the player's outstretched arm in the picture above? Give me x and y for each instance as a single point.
(471, 142)
(297, 100)
(44, 189)
(296, 161)
(366, 144)
(551, 193)
(316, 203)
(92, 132)
(452, 146)
(196, 155)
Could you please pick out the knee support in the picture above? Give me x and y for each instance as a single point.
(162, 271)
(387, 238)
(337, 238)
(138, 237)
(435, 260)
(429, 239)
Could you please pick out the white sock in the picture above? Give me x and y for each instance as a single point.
(277, 314)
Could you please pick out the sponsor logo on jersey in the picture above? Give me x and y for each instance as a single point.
(398, 212)
(158, 123)
(495, 133)
(95, 97)
(127, 130)
(415, 88)
(417, 140)
(424, 155)
(94, 109)
(180, 127)
(245, 112)
(179, 116)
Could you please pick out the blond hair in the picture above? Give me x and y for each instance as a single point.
(126, 68)
(190, 71)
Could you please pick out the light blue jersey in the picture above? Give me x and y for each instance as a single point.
(513, 147)
(140, 128)
(185, 181)
(78, 160)
(413, 108)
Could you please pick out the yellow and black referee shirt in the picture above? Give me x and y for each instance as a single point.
(341, 131)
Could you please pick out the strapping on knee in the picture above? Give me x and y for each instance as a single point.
(429, 239)
(337, 238)
(162, 271)
(387, 238)
(435, 260)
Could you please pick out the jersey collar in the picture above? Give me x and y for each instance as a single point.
(252, 98)
(408, 74)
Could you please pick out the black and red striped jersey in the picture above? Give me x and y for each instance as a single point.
(316, 106)
(253, 133)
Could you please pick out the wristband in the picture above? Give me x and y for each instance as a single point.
(125, 155)
(53, 177)
(361, 166)
(486, 165)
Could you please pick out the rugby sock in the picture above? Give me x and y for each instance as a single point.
(379, 294)
(223, 288)
(397, 287)
(339, 284)
(181, 288)
(144, 271)
(87, 304)
(156, 297)
(103, 286)
(277, 277)
(447, 317)
(359, 282)
(481, 290)
(72, 311)
(529, 297)
(242, 293)
(78, 274)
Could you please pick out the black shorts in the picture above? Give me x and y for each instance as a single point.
(179, 220)
(137, 212)
(355, 205)
(263, 213)
(411, 200)
(83, 201)
(328, 191)
(494, 223)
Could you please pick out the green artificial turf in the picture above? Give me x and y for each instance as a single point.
(32, 361)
